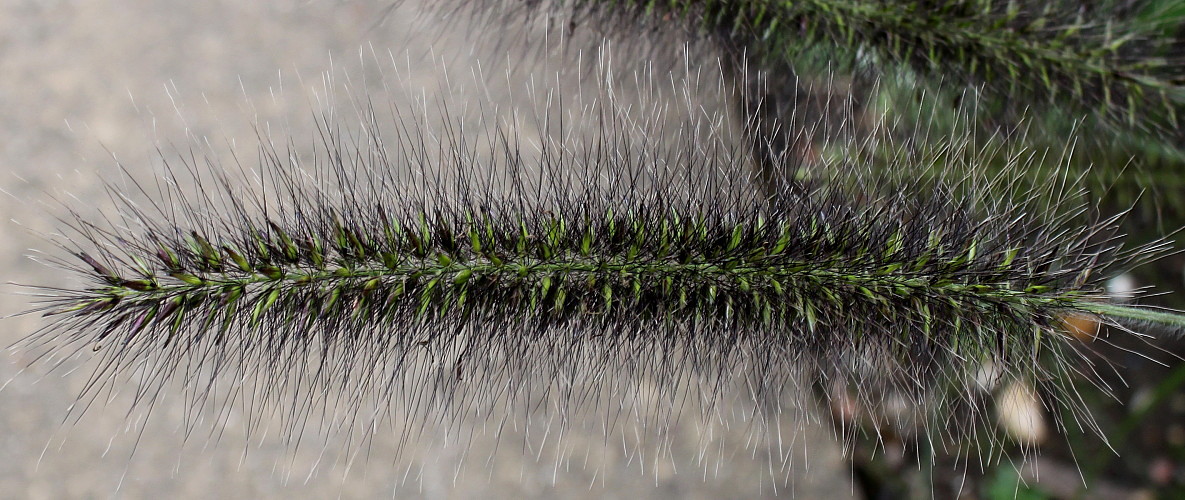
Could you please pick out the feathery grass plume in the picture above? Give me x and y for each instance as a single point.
(422, 277)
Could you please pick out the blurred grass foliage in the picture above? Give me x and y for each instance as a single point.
(1132, 157)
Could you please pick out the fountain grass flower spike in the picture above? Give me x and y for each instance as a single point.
(440, 279)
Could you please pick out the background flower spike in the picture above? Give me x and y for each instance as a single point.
(1121, 59)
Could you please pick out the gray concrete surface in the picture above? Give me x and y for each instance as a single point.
(81, 82)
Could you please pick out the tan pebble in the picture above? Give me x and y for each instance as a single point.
(1084, 327)
(1019, 412)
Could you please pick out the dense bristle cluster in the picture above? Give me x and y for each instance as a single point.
(798, 271)
(341, 284)
(389, 271)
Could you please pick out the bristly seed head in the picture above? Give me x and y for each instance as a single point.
(339, 283)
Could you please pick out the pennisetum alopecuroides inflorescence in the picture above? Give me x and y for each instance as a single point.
(441, 277)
